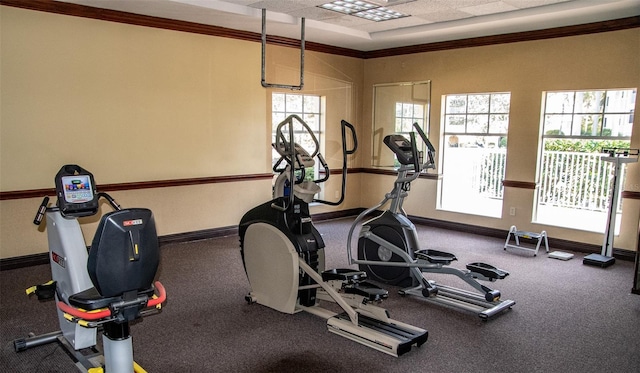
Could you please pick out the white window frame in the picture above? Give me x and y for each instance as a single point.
(484, 176)
(554, 202)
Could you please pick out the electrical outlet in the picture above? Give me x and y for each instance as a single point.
(512, 211)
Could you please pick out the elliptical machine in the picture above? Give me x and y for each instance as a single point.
(389, 251)
(105, 288)
(283, 255)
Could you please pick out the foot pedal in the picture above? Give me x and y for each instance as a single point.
(435, 256)
(344, 274)
(369, 290)
(44, 291)
(487, 270)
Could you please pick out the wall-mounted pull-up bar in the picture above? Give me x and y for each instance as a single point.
(264, 51)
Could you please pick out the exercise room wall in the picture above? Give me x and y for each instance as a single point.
(135, 104)
(526, 69)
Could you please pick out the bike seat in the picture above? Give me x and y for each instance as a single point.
(91, 300)
(435, 256)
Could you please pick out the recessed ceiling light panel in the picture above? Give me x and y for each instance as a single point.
(363, 9)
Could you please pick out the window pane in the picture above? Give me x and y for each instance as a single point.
(418, 111)
(498, 123)
(477, 123)
(454, 123)
(589, 102)
(398, 109)
(277, 102)
(407, 110)
(407, 125)
(478, 104)
(294, 103)
(500, 102)
(456, 104)
(313, 121)
(590, 125)
(276, 118)
(311, 104)
(557, 124)
(559, 102)
(617, 125)
(622, 101)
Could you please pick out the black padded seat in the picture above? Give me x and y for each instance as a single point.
(124, 254)
(91, 300)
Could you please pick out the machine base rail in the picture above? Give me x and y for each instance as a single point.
(394, 338)
(85, 359)
(463, 299)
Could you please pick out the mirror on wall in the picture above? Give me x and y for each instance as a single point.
(396, 106)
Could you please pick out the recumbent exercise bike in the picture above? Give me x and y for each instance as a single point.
(389, 251)
(105, 288)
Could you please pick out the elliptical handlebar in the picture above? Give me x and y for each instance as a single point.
(297, 158)
(287, 151)
(343, 129)
(431, 151)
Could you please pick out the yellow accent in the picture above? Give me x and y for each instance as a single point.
(137, 368)
(136, 248)
(84, 323)
(96, 370)
(32, 289)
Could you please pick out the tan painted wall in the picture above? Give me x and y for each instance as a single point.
(140, 104)
(136, 104)
(526, 69)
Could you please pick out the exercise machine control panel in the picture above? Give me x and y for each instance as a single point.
(402, 147)
(76, 191)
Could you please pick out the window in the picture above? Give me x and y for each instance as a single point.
(407, 114)
(474, 152)
(574, 182)
(307, 107)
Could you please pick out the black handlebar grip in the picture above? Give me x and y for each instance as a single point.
(41, 210)
(344, 124)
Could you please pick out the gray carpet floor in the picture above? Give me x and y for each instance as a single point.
(568, 317)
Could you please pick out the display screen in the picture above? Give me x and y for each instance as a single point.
(77, 188)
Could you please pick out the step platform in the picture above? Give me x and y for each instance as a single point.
(537, 238)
